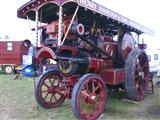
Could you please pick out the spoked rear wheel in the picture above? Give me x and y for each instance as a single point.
(48, 90)
(89, 97)
(137, 75)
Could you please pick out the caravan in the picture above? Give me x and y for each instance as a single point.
(154, 61)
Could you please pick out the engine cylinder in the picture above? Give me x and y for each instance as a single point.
(77, 29)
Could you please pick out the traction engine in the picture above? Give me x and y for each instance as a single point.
(93, 51)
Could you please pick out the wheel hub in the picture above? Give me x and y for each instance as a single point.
(91, 99)
(51, 89)
(65, 66)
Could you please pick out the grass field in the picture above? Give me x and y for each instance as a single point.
(18, 103)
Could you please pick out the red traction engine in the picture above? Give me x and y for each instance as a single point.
(94, 50)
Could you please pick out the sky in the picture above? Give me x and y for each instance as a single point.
(10, 25)
(144, 12)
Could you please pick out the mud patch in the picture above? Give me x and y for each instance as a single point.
(154, 111)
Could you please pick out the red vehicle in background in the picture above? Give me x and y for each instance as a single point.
(11, 54)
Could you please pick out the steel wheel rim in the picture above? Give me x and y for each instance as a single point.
(89, 97)
(49, 90)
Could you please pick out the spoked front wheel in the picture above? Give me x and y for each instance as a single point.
(89, 97)
(47, 90)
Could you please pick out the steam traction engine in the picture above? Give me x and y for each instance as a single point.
(93, 49)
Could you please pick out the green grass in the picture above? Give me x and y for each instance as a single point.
(18, 102)
(18, 96)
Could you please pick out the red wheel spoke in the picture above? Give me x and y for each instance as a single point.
(96, 88)
(43, 91)
(51, 99)
(138, 68)
(86, 86)
(46, 95)
(84, 94)
(136, 76)
(137, 84)
(140, 59)
(85, 108)
(58, 83)
(82, 99)
(98, 104)
(145, 65)
(46, 85)
(50, 80)
(93, 88)
(140, 89)
(55, 97)
(138, 65)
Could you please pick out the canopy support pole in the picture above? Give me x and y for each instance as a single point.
(75, 13)
(60, 25)
(37, 23)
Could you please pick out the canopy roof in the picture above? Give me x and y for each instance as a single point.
(29, 9)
